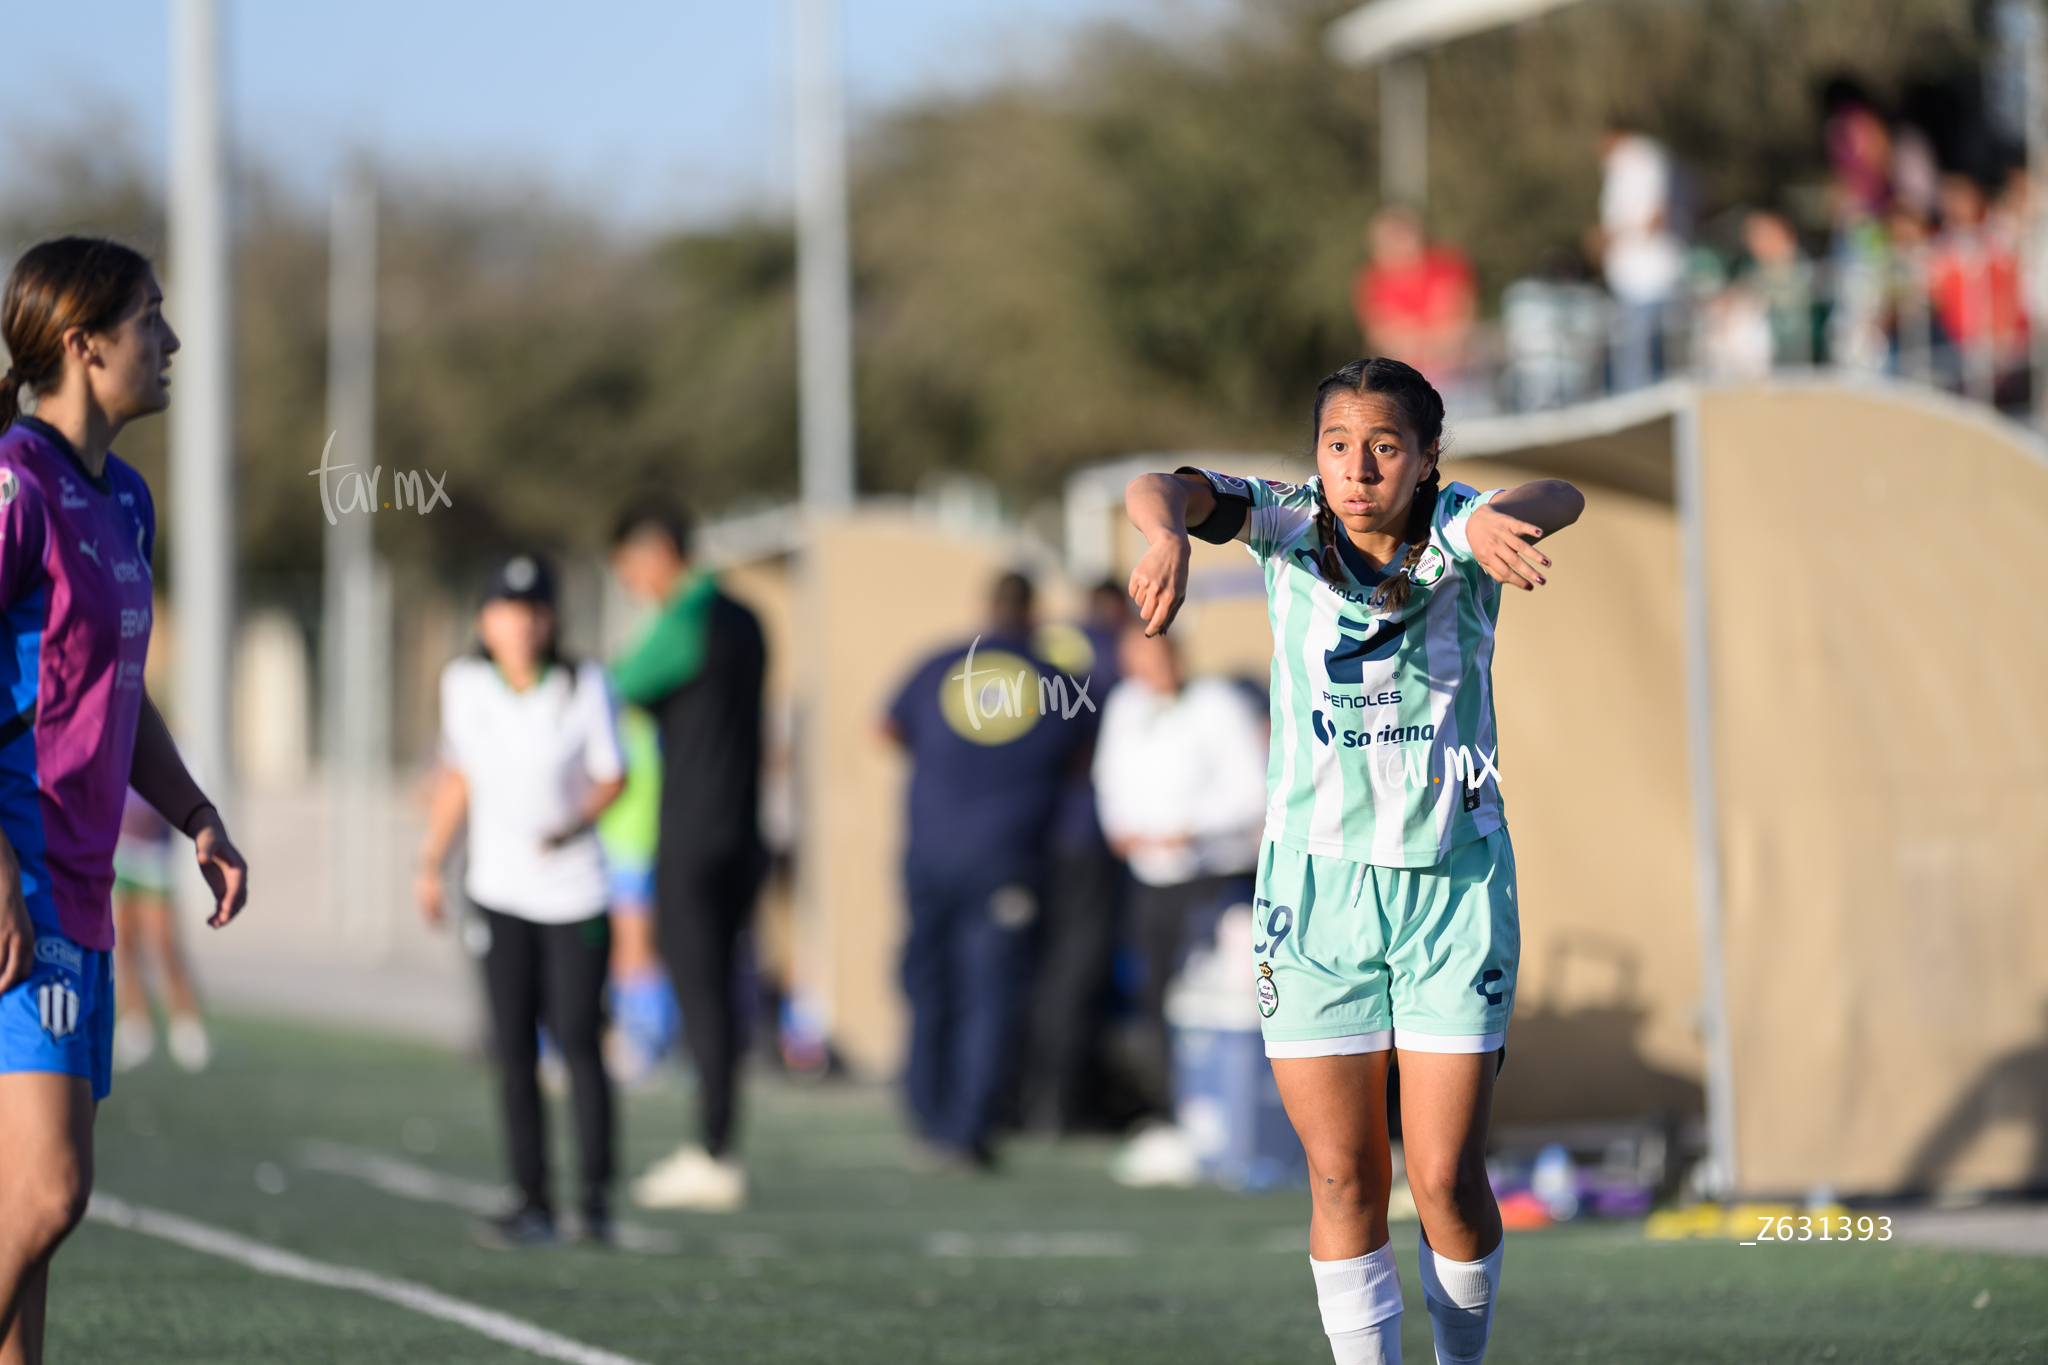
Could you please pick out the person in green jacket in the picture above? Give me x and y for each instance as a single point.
(697, 669)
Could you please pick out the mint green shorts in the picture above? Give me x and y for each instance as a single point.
(1354, 957)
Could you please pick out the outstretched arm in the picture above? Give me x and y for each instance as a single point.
(158, 774)
(1503, 534)
(1163, 506)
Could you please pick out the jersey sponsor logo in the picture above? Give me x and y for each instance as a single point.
(57, 1004)
(1389, 734)
(1320, 723)
(67, 494)
(1454, 503)
(1227, 483)
(134, 622)
(127, 571)
(1346, 663)
(1280, 489)
(10, 487)
(1429, 568)
(1484, 985)
(1359, 703)
(61, 953)
(129, 674)
(90, 549)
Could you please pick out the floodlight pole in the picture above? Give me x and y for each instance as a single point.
(824, 280)
(1724, 1174)
(354, 630)
(2036, 68)
(1404, 133)
(202, 415)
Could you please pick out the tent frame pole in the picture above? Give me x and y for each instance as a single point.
(1723, 1173)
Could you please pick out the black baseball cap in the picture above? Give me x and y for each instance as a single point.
(522, 578)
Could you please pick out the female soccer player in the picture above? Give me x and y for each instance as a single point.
(531, 758)
(1386, 885)
(83, 321)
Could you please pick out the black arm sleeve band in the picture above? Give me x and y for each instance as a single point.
(1227, 519)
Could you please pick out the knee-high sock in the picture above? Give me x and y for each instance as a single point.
(1361, 1303)
(1459, 1295)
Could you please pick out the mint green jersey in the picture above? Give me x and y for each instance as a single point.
(1384, 748)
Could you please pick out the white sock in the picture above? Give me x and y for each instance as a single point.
(1361, 1303)
(1459, 1295)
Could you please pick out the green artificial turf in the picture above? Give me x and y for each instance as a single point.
(835, 1259)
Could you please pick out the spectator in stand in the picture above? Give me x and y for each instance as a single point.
(1644, 261)
(988, 757)
(1415, 301)
(1180, 775)
(1859, 147)
(1078, 947)
(1973, 283)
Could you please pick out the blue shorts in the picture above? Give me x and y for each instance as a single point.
(62, 1018)
(632, 889)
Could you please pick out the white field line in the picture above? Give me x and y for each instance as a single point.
(394, 1175)
(270, 1260)
(1030, 1244)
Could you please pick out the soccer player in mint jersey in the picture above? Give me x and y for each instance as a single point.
(1386, 887)
(83, 323)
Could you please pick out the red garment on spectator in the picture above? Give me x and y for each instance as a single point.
(1974, 285)
(1430, 296)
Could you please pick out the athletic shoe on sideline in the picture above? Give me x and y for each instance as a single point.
(134, 1041)
(526, 1228)
(191, 1049)
(691, 1178)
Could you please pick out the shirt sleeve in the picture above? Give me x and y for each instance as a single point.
(1235, 798)
(671, 653)
(1454, 508)
(1119, 801)
(603, 759)
(1274, 513)
(22, 537)
(452, 755)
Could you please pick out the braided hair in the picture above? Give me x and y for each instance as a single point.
(1421, 410)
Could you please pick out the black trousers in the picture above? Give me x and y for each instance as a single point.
(700, 908)
(1163, 921)
(552, 973)
(1076, 951)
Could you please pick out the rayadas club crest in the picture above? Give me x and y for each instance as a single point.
(1269, 994)
(1428, 568)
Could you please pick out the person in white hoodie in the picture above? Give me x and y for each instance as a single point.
(1180, 783)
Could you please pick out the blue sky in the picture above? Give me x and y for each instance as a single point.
(652, 112)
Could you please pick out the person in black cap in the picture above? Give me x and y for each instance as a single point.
(530, 754)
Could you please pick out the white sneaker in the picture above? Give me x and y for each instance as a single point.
(691, 1178)
(191, 1049)
(134, 1041)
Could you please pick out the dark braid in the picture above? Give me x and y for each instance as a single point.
(1422, 411)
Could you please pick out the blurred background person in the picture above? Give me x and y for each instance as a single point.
(1415, 299)
(1180, 775)
(146, 939)
(988, 761)
(1642, 258)
(530, 759)
(644, 1013)
(698, 669)
(1063, 1086)
(1973, 287)
(1859, 151)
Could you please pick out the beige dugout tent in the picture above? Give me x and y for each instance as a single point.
(1775, 753)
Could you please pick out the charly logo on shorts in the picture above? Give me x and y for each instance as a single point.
(1269, 994)
(1429, 567)
(57, 1004)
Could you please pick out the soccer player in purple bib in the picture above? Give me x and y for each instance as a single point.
(83, 322)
